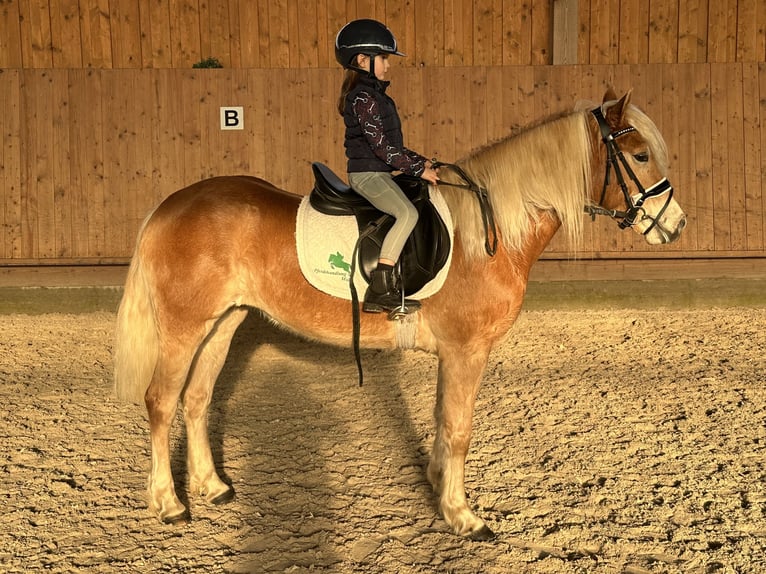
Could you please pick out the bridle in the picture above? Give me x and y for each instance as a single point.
(635, 212)
(615, 158)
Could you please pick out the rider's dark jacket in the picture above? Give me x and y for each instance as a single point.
(374, 140)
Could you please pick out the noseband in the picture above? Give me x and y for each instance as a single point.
(616, 160)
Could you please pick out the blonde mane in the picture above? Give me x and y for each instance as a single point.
(546, 168)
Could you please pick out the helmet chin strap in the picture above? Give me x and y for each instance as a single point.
(371, 72)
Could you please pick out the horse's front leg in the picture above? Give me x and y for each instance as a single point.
(460, 374)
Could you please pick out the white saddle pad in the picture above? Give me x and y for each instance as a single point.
(325, 245)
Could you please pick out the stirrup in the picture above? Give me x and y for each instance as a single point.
(400, 313)
(406, 307)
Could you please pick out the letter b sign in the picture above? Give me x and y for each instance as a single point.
(233, 118)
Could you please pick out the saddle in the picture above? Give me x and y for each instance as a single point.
(426, 250)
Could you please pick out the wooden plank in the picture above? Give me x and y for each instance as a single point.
(236, 38)
(337, 17)
(462, 79)
(78, 129)
(749, 46)
(760, 54)
(517, 33)
(458, 19)
(36, 40)
(439, 120)
(722, 30)
(565, 31)
(719, 78)
(584, 34)
(65, 34)
(634, 32)
(220, 31)
(753, 202)
(485, 19)
(154, 18)
(603, 33)
(703, 157)
(304, 26)
(735, 148)
(682, 170)
(11, 160)
(111, 215)
(186, 43)
(401, 21)
(167, 138)
(191, 130)
(429, 30)
(249, 34)
(87, 136)
(238, 146)
(258, 119)
(663, 31)
(95, 34)
(126, 33)
(298, 156)
(279, 35)
(38, 239)
(676, 95)
(762, 124)
(540, 23)
(326, 136)
(693, 31)
(10, 39)
(63, 194)
(140, 159)
(408, 88)
(275, 137)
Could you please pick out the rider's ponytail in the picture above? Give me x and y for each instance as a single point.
(349, 83)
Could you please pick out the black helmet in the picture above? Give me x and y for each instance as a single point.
(368, 37)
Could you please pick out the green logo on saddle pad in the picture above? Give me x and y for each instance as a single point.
(336, 261)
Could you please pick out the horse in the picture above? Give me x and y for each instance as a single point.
(212, 251)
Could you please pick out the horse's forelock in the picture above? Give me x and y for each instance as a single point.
(648, 129)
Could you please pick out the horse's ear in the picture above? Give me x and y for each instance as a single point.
(610, 95)
(615, 113)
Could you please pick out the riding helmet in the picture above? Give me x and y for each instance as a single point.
(364, 36)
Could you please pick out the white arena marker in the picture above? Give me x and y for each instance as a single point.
(233, 118)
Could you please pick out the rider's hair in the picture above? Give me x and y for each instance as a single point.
(349, 83)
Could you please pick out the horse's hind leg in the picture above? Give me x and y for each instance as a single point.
(203, 478)
(460, 373)
(174, 360)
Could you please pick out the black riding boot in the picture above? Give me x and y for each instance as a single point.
(382, 294)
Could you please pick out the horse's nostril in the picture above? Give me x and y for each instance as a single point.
(682, 223)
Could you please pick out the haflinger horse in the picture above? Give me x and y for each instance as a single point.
(219, 247)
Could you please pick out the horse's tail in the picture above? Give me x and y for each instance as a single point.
(136, 342)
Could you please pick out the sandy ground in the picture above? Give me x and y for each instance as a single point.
(606, 441)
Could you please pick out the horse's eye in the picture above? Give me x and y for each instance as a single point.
(642, 157)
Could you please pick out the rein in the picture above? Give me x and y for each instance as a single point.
(485, 206)
(615, 158)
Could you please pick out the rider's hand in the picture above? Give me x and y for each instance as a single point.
(430, 175)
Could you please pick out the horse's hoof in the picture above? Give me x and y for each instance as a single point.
(177, 519)
(224, 497)
(482, 535)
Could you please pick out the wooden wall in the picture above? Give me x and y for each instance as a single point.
(86, 153)
(103, 115)
(300, 34)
